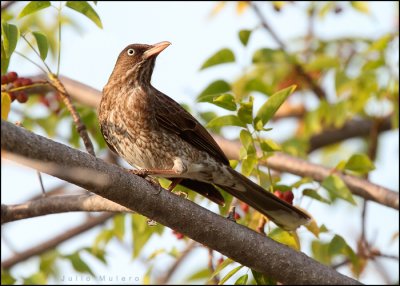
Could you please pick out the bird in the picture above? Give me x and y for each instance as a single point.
(155, 134)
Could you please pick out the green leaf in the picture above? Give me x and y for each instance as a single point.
(249, 164)
(337, 188)
(213, 89)
(314, 194)
(339, 246)
(119, 226)
(322, 62)
(226, 120)
(47, 262)
(268, 109)
(288, 238)
(97, 253)
(7, 278)
(245, 112)
(221, 57)
(38, 278)
(244, 36)
(5, 105)
(257, 84)
(230, 274)
(242, 280)
(359, 163)
(5, 61)
(381, 43)
(10, 35)
(78, 264)
(361, 6)
(33, 7)
(102, 239)
(225, 263)
(84, 8)
(269, 145)
(268, 56)
(320, 252)
(247, 142)
(142, 232)
(199, 275)
(226, 101)
(261, 279)
(42, 44)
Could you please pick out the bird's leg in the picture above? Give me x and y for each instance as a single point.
(174, 183)
(231, 214)
(147, 172)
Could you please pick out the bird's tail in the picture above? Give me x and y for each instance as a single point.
(280, 212)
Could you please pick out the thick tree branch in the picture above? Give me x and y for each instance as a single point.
(286, 163)
(52, 243)
(135, 193)
(352, 128)
(59, 204)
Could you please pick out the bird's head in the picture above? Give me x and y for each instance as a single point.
(136, 62)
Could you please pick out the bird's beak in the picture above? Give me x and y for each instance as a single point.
(156, 49)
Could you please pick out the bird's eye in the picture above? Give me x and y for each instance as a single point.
(131, 52)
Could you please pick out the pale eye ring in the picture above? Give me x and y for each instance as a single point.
(131, 52)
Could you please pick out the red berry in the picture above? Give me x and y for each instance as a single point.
(11, 76)
(237, 216)
(178, 235)
(279, 194)
(286, 196)
(26, 81)
(17, 82)
(4, 79)
(13, 96)
(219, 261)
(43, 99)
(244, 207)
(22, 97)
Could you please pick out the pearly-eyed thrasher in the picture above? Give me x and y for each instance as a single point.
(154, 133)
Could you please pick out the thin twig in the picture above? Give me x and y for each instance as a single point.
(189, 247)
(298, 68)
(54, 242)
(80, 126)
(59, 204)
(215, 279)
(41, 183)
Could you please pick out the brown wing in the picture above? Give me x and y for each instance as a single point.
(173, 117)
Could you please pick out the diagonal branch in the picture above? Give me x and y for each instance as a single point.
(59, 204)
(299, 69)
(227, 237)
(52, 243)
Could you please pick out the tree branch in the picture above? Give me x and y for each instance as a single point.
(52, 243)
(299, 69)
(59, 204)
(227, 237)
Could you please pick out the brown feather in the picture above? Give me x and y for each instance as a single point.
(171, 116)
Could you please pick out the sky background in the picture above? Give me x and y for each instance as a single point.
(195, 36)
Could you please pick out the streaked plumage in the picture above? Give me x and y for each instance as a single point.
(151, 131)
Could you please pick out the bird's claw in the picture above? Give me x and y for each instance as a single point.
(231, 214)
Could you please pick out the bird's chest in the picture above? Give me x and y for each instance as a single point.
(131, 128)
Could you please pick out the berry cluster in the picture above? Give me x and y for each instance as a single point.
(285, 196)
(14, 81)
